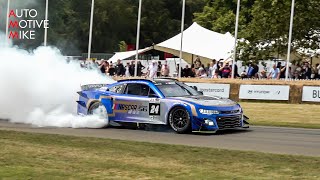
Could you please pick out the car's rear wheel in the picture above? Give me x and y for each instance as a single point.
(179, 120)
(97, 108)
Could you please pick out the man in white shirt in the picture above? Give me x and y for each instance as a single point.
(152, 69)
(274, 73)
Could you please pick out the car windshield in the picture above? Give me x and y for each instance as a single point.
(176, 89)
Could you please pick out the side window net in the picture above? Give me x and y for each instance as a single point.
(138, 89)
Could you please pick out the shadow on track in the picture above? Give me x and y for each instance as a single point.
(167, 129)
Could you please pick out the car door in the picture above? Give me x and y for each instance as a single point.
(136, 104)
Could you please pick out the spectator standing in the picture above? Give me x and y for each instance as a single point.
(216, 74)
(219, 66)
(187, 72)
(256, 70)
(120, 70)
(132, 68)
(213, 68)
(274, 73)
(293, 69)
(243, 75)
(202, 73)
(165, 71)
(283, 70)
(307, 70)
(251, 71)
(263, 74)
(177, 71)
(153, 69)
(140, 67)
(197, 66)
(159, 69)
(112, 70)
(279, 65)
(127, 73)
(313, 72)
(207, 69)
(318, 69)
(102, 67)
(225, 71)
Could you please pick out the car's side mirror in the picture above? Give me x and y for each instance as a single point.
(195, 87)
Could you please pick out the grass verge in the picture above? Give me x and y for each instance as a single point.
(41, 156)
(280, 114)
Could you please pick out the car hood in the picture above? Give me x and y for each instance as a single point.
(207, 100)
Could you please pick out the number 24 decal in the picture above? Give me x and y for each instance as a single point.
(154, 109)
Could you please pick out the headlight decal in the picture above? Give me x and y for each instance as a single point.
(208, 112)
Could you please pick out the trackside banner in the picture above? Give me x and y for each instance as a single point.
(311, 93)
(264, 92)
(222, 90)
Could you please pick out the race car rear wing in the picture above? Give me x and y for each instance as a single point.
(88, 87)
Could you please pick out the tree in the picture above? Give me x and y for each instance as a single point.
(268, 31)
(220, 15)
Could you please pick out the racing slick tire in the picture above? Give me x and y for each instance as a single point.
(99, 109)
(179, 120)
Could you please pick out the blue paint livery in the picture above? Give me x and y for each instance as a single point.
(122, 107)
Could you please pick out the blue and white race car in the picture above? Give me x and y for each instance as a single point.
(161, 101)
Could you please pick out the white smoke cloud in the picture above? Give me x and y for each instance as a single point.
(39, 88)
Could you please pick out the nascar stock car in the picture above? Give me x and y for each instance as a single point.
(160, 101)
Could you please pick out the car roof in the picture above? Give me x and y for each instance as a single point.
(155, 80)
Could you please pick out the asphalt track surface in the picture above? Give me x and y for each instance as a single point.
(295, 141)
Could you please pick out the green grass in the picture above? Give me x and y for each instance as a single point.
(281, 114)
(41, 156)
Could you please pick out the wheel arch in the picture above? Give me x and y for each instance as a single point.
(186, 107)
(90, 103)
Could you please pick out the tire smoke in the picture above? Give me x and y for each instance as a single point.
(39, 88)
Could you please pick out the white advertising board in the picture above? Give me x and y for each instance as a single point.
(210, 89)
(264, 92)
(311, 93)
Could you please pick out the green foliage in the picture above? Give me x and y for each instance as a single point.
(264, 24)
(114, 21)
(270, 28)
(122, 46)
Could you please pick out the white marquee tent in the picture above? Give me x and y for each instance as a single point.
(197, 41)
(127, 54)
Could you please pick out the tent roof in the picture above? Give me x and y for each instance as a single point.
(127, 54)
(197, 40)
(200, 41)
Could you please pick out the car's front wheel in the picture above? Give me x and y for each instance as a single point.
(179, 120)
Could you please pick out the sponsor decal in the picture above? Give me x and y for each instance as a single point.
(131, 108)
(210, 89)
(92, 86)
(264, 92)
(311, 93)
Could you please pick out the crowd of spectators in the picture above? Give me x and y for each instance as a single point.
(214, 69)
(302, 70)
